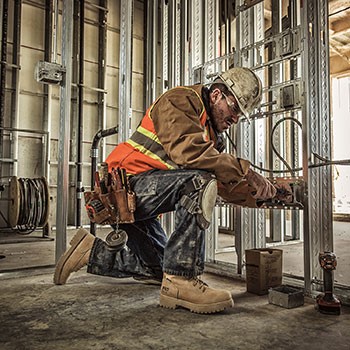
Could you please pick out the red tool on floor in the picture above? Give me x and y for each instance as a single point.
(328, 303)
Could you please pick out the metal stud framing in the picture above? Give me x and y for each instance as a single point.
(125, 68)
(316, 117)
(307, 62)
(151, 49)
(165, 45)
(251, 227)
(102, 53)
(65, 108)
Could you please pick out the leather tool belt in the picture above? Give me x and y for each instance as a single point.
(112, 201)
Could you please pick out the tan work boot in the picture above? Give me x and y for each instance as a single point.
(76, 257)
(193, 294)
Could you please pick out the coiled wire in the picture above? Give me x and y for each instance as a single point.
(33, 204)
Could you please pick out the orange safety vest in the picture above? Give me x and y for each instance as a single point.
(144, 151)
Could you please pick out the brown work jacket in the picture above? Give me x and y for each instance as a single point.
(176, 118)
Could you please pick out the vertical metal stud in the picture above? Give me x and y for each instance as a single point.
(197, 51)
(64, 135)
(125, 69)
(316, 138)
(165, 46)
(151, 51)
(3, 60)
(260, 135)
(178, 46)
(246, 148)
(211, 34)
(171, 43)
(295, 139)
(47, 88)
(276, 216)
(15, 80)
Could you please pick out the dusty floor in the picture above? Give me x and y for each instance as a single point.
(27, 251)
(92, 312)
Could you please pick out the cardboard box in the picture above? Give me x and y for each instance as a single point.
(286, 296)
(264, 269)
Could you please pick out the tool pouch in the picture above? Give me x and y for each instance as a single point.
(120, 200)
(112, 201)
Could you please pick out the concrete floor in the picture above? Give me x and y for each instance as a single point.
(28, 251)
(92, 312)
(293, 253)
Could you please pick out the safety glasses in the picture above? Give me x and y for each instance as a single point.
(233, 106)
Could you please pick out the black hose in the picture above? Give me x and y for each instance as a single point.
(273, 146)
(33, 204)
(289, 169)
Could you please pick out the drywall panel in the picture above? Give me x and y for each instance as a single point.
(113, 17)
(91, 42)
(111, 119)
(138, 56)
(137, 94)
(112, 54)
(30, 112)
(112, 86)
(29, 59)
(90, 80)
(30, 148)
(55, 113)
(90, 122)
(138, 28)
(33, 27)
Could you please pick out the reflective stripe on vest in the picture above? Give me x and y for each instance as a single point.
(146, 141)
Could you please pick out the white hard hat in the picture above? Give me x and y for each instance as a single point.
(245, 86)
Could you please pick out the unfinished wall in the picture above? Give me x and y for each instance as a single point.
(33, 151)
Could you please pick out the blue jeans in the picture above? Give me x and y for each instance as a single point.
(149, 252)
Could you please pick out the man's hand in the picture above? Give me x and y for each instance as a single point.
(284, 192)
(264, 188)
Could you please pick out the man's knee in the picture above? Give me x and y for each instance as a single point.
(199, 197)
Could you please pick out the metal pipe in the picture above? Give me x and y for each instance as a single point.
(94, 159)
(25, 130)
(102, 101)
(148, 18)
(17, 15)
(3, 71)
(79, 186)
(47, 87)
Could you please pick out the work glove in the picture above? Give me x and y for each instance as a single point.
(264, 189)
(284, 192)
